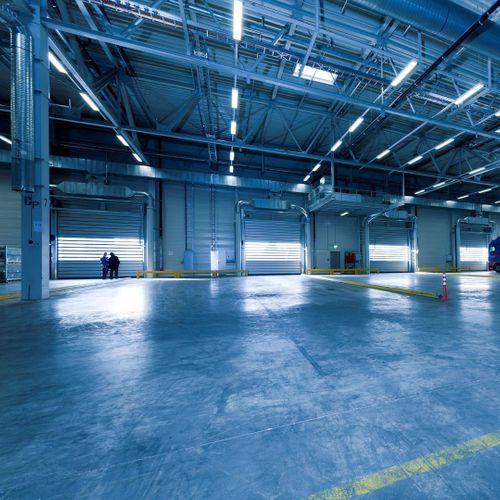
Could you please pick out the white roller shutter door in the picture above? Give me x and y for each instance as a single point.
(272, 246)
(84, 235)
(474, 241)
(390, 246)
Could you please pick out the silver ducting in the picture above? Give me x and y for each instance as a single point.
(22, 120)
(439, 17)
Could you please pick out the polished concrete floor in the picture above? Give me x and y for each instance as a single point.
(260, 387)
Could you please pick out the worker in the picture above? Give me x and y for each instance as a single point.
(114, 264)
(104, 265)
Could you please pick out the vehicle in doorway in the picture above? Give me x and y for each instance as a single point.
(494, 256)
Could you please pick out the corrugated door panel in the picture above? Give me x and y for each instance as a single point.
(83, 236)
(390, 247)
(174, 221)
(202, 227)
(474, 246)
(10, 212)
(272, 246)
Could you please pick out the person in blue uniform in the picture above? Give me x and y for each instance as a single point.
(104, 265)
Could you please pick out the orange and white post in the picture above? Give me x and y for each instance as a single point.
(445, 291)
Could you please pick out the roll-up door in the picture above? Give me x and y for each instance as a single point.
(390, 246)
(474, 241)
(84, 235)
(272, 244)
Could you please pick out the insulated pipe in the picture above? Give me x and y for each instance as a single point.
(438, 17)
(238, 242)
(21, 97)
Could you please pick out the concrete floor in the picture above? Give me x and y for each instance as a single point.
(260, 387)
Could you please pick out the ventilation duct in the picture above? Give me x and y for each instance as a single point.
(439, 17)
(22, 121)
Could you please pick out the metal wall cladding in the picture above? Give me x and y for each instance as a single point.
(10, 212)
(434, 237)
(84, 235)
(474, 243)
(390, 246)
(273, 243)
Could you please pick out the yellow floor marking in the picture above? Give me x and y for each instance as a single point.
(394, 289)
(7, 296)
(494, 276)
(406, 470)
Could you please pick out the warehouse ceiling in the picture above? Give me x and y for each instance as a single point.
(162, 74)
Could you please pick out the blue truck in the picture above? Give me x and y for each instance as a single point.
(494, 256)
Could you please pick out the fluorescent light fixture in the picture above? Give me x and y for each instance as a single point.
(231, 169)
(336, 146)
(439, 184)
(497, 113)
(383, 154)
(233, 127)
(231, 155)
(477, 170)
(404, 73)
(445, 143)
(316, 167)
(56, 63)
(343, 214)
(485, 190)
(497, 202)
(322, 180)
(497, 131)
(315, 74)
(356, 124)
(463, 197)
(122, 140)
(474, 90)
(89, 101)
(420, 192)
(5, 139)
(137, 157)
(307, 177)
(415, 160)
(237, 19)
(234, 98)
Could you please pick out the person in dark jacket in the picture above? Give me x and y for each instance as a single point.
(114, 264)
(104, 265)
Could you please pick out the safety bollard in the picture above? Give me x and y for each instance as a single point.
(445, 291)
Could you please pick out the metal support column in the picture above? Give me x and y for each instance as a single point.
(35, 206)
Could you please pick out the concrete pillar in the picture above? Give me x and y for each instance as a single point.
(35, 207)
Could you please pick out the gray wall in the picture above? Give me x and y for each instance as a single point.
(333, 230)
(10, 211)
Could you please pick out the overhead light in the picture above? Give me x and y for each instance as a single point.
(231, 155)
(56, 63)
(356, 124)
(322, 180)
(445, 143)
(234, 98)
(137, 157)
(485, 190)
(122, 140)
(89, 101)
(420, 192)
(415, 160)
(463, 197)
(497, 202)
(5, 139)
(233, 127)
(231, 169)
(336, 146)
(383, 154)
(469, 93)
(314, 74)
(316, 167)
(343, 214)
(497, 131)
(237, 19)
(404, 73)
(497, 113)
(439, 184)
(307, 177)
(477, 170)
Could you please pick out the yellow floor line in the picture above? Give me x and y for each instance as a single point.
(494, 276)
(394, 289)
(406, 470)
(7, 296)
